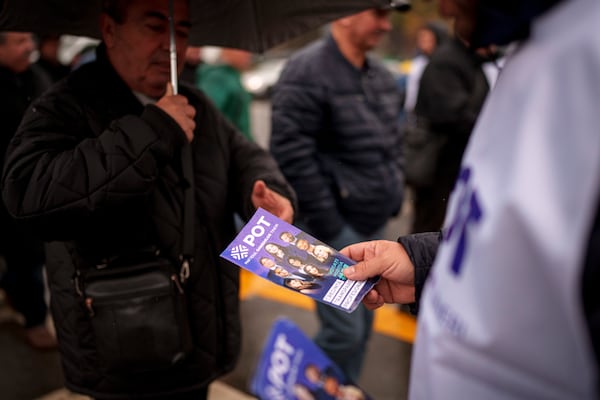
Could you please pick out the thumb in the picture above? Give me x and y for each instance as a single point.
(362, 271)
(259, 189)
(169, 91)
(356, 272)
(365, 252)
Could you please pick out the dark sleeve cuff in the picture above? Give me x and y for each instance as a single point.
(421, 249)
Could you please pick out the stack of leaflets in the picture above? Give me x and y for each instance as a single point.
(292, 367)
(289, 257)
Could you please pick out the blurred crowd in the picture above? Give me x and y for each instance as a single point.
(30, 64)
(350, 143)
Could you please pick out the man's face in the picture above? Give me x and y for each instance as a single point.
(312, 373)
(267, 262)
(138, 48)
(295, 284)
(311, 269)
(287, 237)
(16, 50)
(463, 12)
(295, 262)
(331, 385)
(49, 48)
(366, 29)
(321, 251)
(302, 244)
(426, 41)
(282, 273)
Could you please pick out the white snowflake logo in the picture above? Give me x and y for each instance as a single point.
(239, 252)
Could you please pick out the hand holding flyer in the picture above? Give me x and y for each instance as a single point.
(289, 257)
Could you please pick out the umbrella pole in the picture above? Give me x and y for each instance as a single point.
(172, 48)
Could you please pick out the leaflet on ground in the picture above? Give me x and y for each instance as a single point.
(292, 367)
(289, 257)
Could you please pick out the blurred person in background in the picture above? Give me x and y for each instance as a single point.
(48, 59)
(429, 37)
(336, 136)
(193, 60)
(76, 51)
(23, 280)
(452, 90)
(221, 82)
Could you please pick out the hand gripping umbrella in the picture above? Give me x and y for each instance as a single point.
(253, 25)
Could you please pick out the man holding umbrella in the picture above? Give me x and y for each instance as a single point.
(95, 170)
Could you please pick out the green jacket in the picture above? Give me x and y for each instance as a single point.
(223, 85)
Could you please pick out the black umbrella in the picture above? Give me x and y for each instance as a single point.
(254, 25)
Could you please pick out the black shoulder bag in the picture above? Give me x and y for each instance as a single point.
(136, 302)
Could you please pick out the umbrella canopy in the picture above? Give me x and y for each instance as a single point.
(254, 25)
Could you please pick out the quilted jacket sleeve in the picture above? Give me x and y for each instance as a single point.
(57, 172)
(250, 163)
(422, 249)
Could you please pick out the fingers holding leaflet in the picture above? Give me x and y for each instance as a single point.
(388, 260)
(373, 300)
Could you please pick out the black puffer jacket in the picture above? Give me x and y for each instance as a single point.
(95, 173)
(452, 90)
(18, 91)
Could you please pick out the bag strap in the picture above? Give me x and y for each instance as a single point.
(187, 249)
(186, 255)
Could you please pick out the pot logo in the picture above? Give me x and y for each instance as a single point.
(239, 252)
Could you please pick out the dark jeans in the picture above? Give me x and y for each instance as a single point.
(343, 336)
(23, 279)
